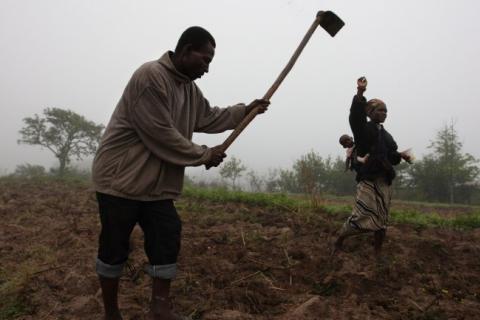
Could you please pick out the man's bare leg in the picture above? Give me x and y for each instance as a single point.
(110, 298)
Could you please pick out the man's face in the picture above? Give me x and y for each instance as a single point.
(197, 61)
(379, 114)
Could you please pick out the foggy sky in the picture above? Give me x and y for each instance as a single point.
(420, 57)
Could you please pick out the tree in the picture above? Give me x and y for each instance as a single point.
(65, 133)
(310, 171)
(337, 180)
(232, 169)
(287, 181)
(402, 184)
(271, 181)
(446, 174)
(256, 182)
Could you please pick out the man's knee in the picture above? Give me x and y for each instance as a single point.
(109, 270)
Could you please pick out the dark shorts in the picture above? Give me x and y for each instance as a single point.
(159, 221)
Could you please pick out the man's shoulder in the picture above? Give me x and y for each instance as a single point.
(151, 68)
(150, 74)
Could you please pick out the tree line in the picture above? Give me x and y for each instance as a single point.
(445, 174)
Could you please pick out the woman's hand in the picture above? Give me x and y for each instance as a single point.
(362, 83)
(407, 155)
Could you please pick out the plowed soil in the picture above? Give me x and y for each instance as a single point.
(237, 262)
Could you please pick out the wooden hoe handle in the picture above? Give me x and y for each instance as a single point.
(331, 23)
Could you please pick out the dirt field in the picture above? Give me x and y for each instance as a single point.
(237, 262)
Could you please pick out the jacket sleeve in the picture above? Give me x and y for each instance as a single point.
(358, 119)
(151, 119)
(393, 155)
(214, 119)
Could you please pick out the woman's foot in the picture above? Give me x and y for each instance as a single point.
(337, 246)
(379, 237)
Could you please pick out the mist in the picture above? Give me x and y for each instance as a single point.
(421, 58)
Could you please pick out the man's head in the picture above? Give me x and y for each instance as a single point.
(346, 141)
(194, 52)
(376, 110)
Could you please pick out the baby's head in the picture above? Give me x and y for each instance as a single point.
(346, 141)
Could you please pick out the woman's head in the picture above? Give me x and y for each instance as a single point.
(376, 110)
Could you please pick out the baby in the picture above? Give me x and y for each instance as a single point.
(347, 143)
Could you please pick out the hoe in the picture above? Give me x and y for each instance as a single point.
(331, 23)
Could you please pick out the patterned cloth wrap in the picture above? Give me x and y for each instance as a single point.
(371, 210)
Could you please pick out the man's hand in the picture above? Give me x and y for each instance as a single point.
(216, 157)
(261, 104)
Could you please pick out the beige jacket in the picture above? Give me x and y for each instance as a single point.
(147, 143)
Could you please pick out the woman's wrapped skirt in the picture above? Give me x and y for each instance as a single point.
(372, 204)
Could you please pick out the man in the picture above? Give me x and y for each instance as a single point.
(139, 167)
(376, 154)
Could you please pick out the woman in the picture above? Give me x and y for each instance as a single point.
(378, 153)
